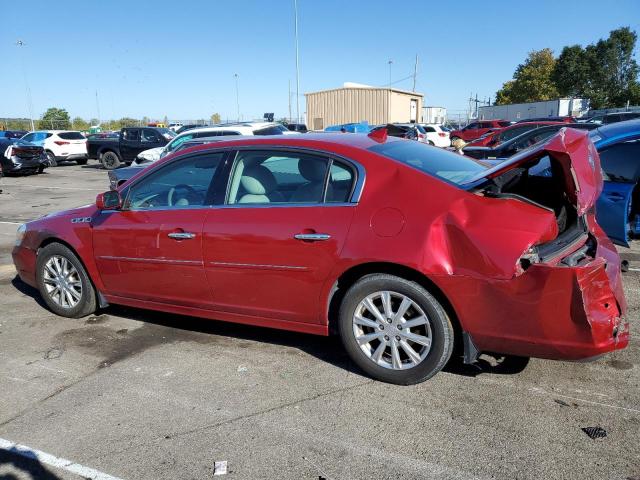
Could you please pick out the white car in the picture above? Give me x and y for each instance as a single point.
(60, 145)
(175, 126)
(246, 128)
(436, 135)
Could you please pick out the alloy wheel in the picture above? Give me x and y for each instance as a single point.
(62, 282)
(392, 330)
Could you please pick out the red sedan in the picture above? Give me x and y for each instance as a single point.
(494, 138)
(477, 129)
(403, 249)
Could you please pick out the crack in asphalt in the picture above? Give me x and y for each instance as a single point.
(268, 410)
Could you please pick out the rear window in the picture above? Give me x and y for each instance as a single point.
(274, 130)
(504, 124)
(71, 136)
(448, 166)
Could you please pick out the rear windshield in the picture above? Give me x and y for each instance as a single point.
(274, 130)
(504, 124)
(448, 166)
(71, 136)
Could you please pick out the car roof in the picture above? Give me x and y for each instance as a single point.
(615, 132)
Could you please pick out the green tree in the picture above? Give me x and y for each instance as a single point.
(55, 119)
(215, 118)
(604, 72)
(531, 81)
(80, 123)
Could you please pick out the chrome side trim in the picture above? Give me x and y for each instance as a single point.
(152, 260)
(256, 266)
(312, 237)
(283, 205)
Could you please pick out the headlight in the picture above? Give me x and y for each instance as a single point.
(22, 230)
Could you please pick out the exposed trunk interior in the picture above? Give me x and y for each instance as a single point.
(542, 182)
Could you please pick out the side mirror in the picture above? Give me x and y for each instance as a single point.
(110, 200)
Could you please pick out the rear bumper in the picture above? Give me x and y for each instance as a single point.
(549, 311)
(72, 156)
(24, 260)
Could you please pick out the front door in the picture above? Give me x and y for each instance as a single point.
(268, 252)
(152, 249)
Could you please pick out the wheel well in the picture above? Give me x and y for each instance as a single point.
(352, 275)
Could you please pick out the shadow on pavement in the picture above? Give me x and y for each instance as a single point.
(171, 327)
(24, 467)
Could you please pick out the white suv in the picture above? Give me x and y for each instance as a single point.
(247, 128)
(60, 145)
(436, 135)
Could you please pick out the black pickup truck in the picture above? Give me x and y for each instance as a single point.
(113, 152)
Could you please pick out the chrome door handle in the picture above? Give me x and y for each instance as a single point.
(312, 237)
(181, 235)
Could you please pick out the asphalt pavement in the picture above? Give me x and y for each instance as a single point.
(135, 394)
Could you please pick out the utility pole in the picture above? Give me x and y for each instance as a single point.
(97, 108)
(237, 97)
(295, 7)
(289, 101)
(19, 44)
(390, 62)
(415, 73)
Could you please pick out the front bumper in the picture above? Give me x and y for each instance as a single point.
(549, 311)
(24, 260)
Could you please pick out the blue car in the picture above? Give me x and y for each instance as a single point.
(362, 127)
(618, 208)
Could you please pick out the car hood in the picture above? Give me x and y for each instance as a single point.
(151, 154)
(579, 159)
(80, 212)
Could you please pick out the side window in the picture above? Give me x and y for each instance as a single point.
(149, 136)
(131, 135)
(340, 183)
(178, 141)
(471, 126)
(513, 133)
(229, 132)
(278, 177)
(429, 129)
(184, 183)
(621, 162)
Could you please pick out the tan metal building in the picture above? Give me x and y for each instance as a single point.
(357, 103)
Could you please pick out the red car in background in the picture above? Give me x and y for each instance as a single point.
(477, 129)
(494, 138)
(403, 249)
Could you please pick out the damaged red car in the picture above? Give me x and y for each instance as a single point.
(404, 250)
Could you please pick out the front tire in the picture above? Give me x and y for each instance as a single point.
(110, 160)
(395, 330)
(63, 282)
(52, 159)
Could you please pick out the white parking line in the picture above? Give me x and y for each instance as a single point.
(47, 187)
(11, 223)
(48, 459)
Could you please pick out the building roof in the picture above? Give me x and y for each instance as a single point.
(367, 87)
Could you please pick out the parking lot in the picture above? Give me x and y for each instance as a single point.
(141, 394)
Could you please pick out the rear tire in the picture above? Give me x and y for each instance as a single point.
(377, 342)
(63, 282)
(52, 159)
(431, 143)
(110, 160)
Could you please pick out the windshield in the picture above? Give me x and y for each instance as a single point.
(451, 167)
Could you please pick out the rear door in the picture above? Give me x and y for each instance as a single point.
(615, 209)
(130, 144)
(151, 250)
(269, 250)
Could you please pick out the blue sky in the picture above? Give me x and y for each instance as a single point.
(158, 58)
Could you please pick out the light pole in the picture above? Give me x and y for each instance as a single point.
(295, 8)
(390, 62)
(19, 44)
(237, 97)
